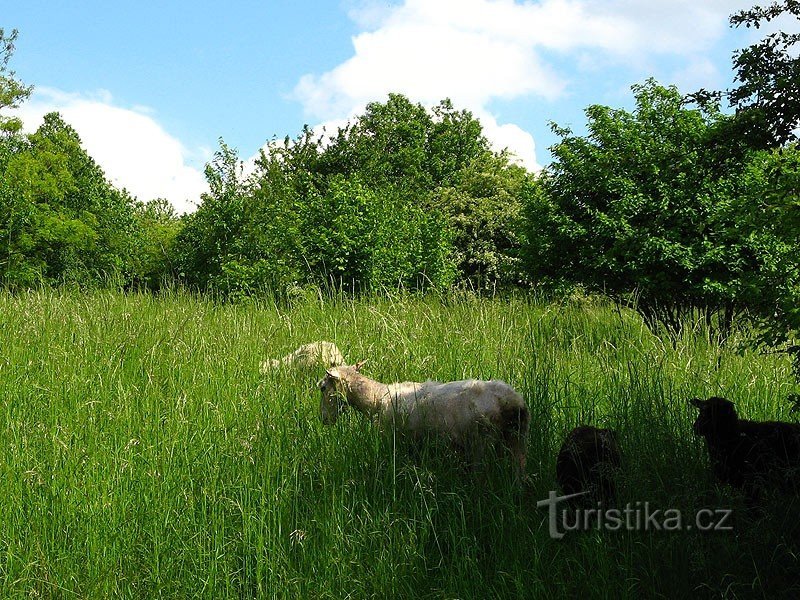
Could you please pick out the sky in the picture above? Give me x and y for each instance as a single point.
(151, 87)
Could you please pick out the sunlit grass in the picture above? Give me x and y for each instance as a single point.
(144, 455)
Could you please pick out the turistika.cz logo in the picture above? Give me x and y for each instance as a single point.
(637, 516)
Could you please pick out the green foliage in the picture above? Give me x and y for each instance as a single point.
(365, 239)
(212, 235)
(483, 205)
(768, 76)
(768, 72)
(767, 117)
(387, 145)
(771, 193)
(12, 90)
(285, 226)
(400, 196)
(441, 161)
(156, 228)
(641, 208)
(60, 219)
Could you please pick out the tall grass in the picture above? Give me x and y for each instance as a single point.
(143, 455)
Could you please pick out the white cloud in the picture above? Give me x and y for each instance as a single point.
(674, 27)
(131, 147)
(699, 73)
(510, 137)
(476, 51)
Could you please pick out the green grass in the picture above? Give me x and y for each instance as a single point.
(143, 455)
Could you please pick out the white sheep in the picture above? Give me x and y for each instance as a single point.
(314, 354)
(470, 413)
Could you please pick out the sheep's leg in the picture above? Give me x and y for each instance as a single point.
(474, 452)
(517, 446)
(514, 427)
(752, 496)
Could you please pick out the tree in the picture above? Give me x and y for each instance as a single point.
(768, 72)
(771, 190)
(12, 91)
(404, 145)
(640, 209)
(60, 219)
(391, 199)
(440, 160)
(156, 227)
(366, 239)
(767, 97)
(767, 102)
(211, 236)
(484, 209)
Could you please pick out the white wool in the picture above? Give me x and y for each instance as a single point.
(314, 354)
(468, 412)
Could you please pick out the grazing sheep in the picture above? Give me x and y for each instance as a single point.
(469, 413)
(315, 354)
(588, 462)
(749, 455)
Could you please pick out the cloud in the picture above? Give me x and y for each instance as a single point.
(476, 51)
(670, 27)
(131, 147)
(511, 137)
(698, 73)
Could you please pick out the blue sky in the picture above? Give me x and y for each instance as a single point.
(150, 87)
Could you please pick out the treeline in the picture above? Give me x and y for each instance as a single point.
(676, 205)
(402, 196)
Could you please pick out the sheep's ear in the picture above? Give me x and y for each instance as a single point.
(333, 373)
(360, 364)
(697, 402)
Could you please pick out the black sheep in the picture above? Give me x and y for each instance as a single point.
(588, 462)
(749, 455)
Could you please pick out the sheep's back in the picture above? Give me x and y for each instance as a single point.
(454, 407)
(763, 453)
(775, 437)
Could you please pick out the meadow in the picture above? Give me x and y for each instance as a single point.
(144, 455)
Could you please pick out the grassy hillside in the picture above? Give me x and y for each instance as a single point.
(144, 455)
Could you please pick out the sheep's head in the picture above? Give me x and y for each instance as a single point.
(334, 392)
(334, 396)
(717, 417)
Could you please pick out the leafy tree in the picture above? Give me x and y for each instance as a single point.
(12, 91)
(156, 227)
(768, 72)
(639, 208)
(365, 239)
(211, 236)
(767, 97)
(390, 199)
(387, 145)
(771, 190)
(767, 102)
(61, 220)
(441, 161)
(484, 208)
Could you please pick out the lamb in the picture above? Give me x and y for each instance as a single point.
(314, 354)
(588, 463)
(749, 455)
(470, 413)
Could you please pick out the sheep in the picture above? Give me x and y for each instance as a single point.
(748, 455)
(470, 413)
(588, 463)
(314, 354)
